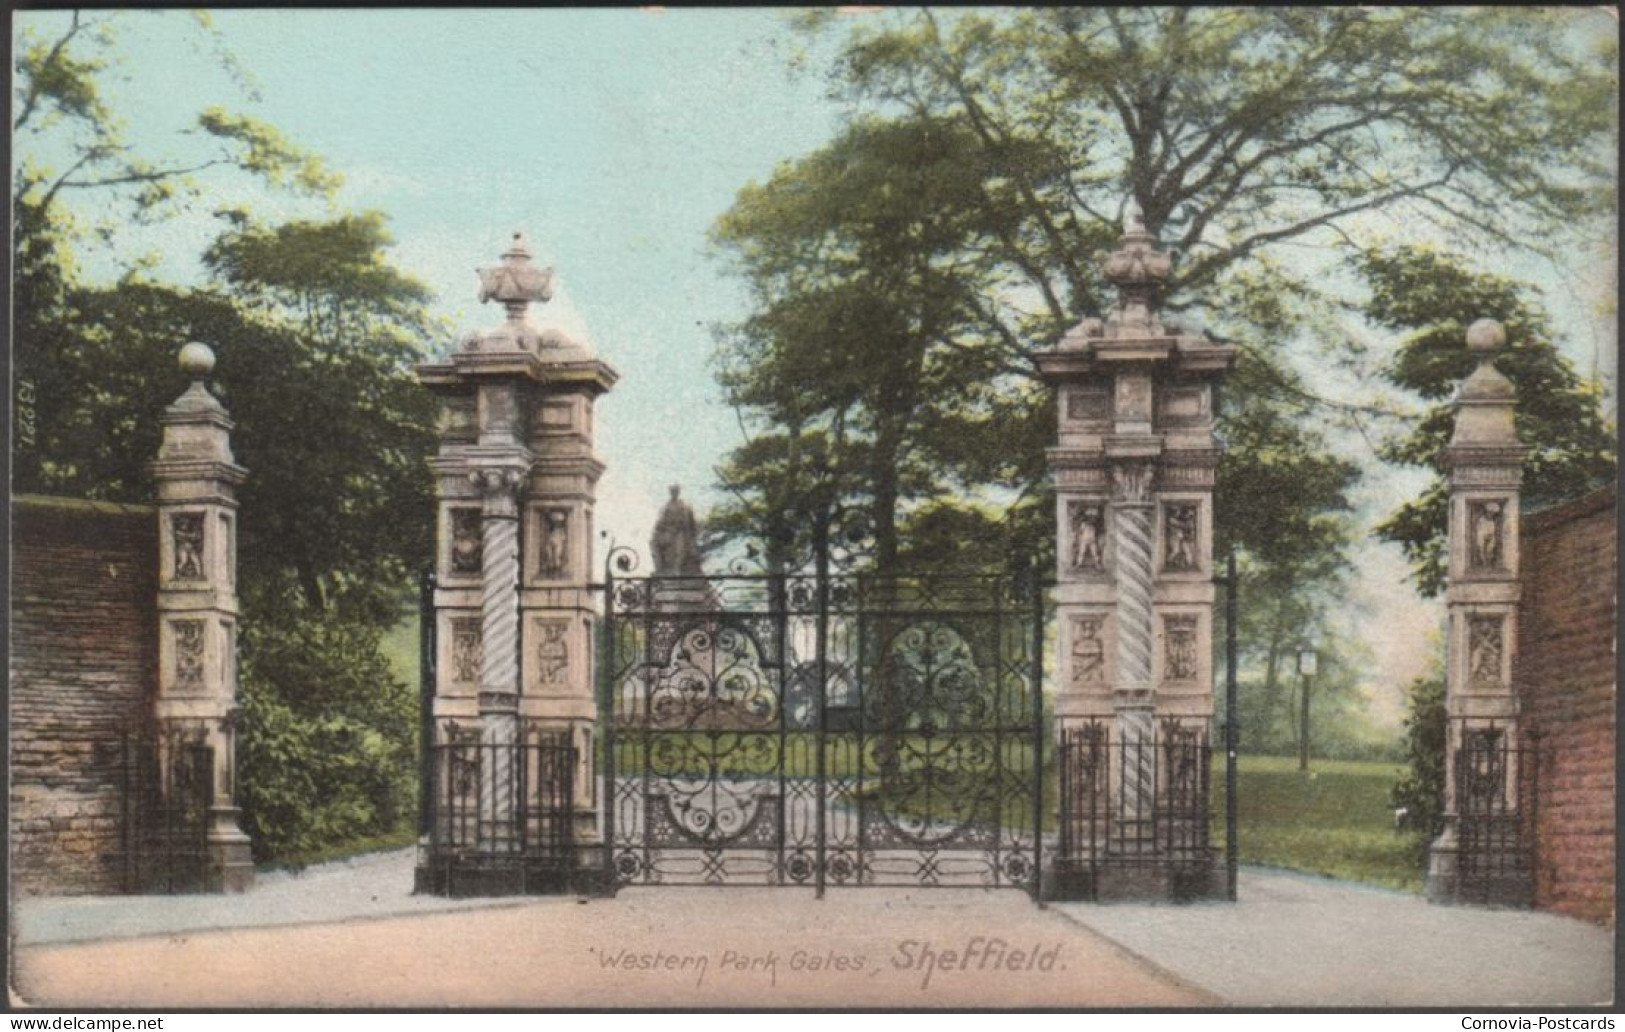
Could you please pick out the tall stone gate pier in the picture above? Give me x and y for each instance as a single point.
(514, 708)
(1485, 851)
(1134, 473)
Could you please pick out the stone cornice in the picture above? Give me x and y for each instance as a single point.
(468, 367)
(197, 469)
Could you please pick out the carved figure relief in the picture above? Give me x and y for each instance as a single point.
(466, 651)
(467, 548)
(1179, 530)
(1088, 523)
(1088, 651)
(188, 653)
(553, 654)
(1484, 648)
(1484, 530)
(553, 549)
(1179, 660)
(1132, 481)
(187, 530)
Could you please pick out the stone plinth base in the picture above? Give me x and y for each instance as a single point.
(229, 866)
(1448, 885)
(468, 875)
(1135, 880)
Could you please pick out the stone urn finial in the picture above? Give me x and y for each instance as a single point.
(1139, 269)
(516, 282)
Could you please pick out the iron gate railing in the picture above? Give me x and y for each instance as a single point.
(823, 730)
(500, 815)
(1497, 785)
(1139, 801)
(168, 782)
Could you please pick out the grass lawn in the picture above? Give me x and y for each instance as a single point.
(1337, 821)
(400, 648)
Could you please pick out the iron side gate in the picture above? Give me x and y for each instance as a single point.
(822, 730)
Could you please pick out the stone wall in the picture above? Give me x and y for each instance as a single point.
(1566, 677)
(84, 659)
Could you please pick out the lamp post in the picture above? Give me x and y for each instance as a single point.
(1308, 659)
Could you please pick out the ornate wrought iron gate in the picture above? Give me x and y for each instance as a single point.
(823, 730)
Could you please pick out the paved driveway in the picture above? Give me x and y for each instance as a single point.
(352, 935)
(1297, 940)
(646, 948)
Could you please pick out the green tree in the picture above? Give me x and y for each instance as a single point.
(316, 334)
(1431, 298)
(1248, 137)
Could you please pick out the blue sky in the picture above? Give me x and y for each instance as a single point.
(613, 139)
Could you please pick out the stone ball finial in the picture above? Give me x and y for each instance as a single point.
(197, 360)
(1485, 337)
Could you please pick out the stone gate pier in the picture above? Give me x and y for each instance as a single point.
(1484, 853)
(514, 708)
(1134, 473)
(195, 709)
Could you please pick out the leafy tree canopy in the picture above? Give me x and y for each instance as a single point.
(1431, 297)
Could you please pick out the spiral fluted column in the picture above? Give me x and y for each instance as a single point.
(1134, 571)
(499, 657)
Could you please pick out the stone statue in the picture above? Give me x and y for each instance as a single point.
(1088, 536)
(1486, 535)
(554, 555)
(676, 543)
(1180, 525)
(188, 528)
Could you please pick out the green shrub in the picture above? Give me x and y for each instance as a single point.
(1419, 794)
(326, 747)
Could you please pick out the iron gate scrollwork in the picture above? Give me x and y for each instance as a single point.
(822, 730)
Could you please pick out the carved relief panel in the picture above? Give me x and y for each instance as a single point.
(466, 650)
(1183, 407)
(1181, 536)
(466, 546)
(1486, 646)
(552, 652)
(1087, 663)
(187, 637)
(1088, 405)
(1132, 400)
(1086, 540)
(1181, 660)
(186, 536)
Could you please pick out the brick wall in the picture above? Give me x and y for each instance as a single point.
(84, 664)
(1566, 680)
